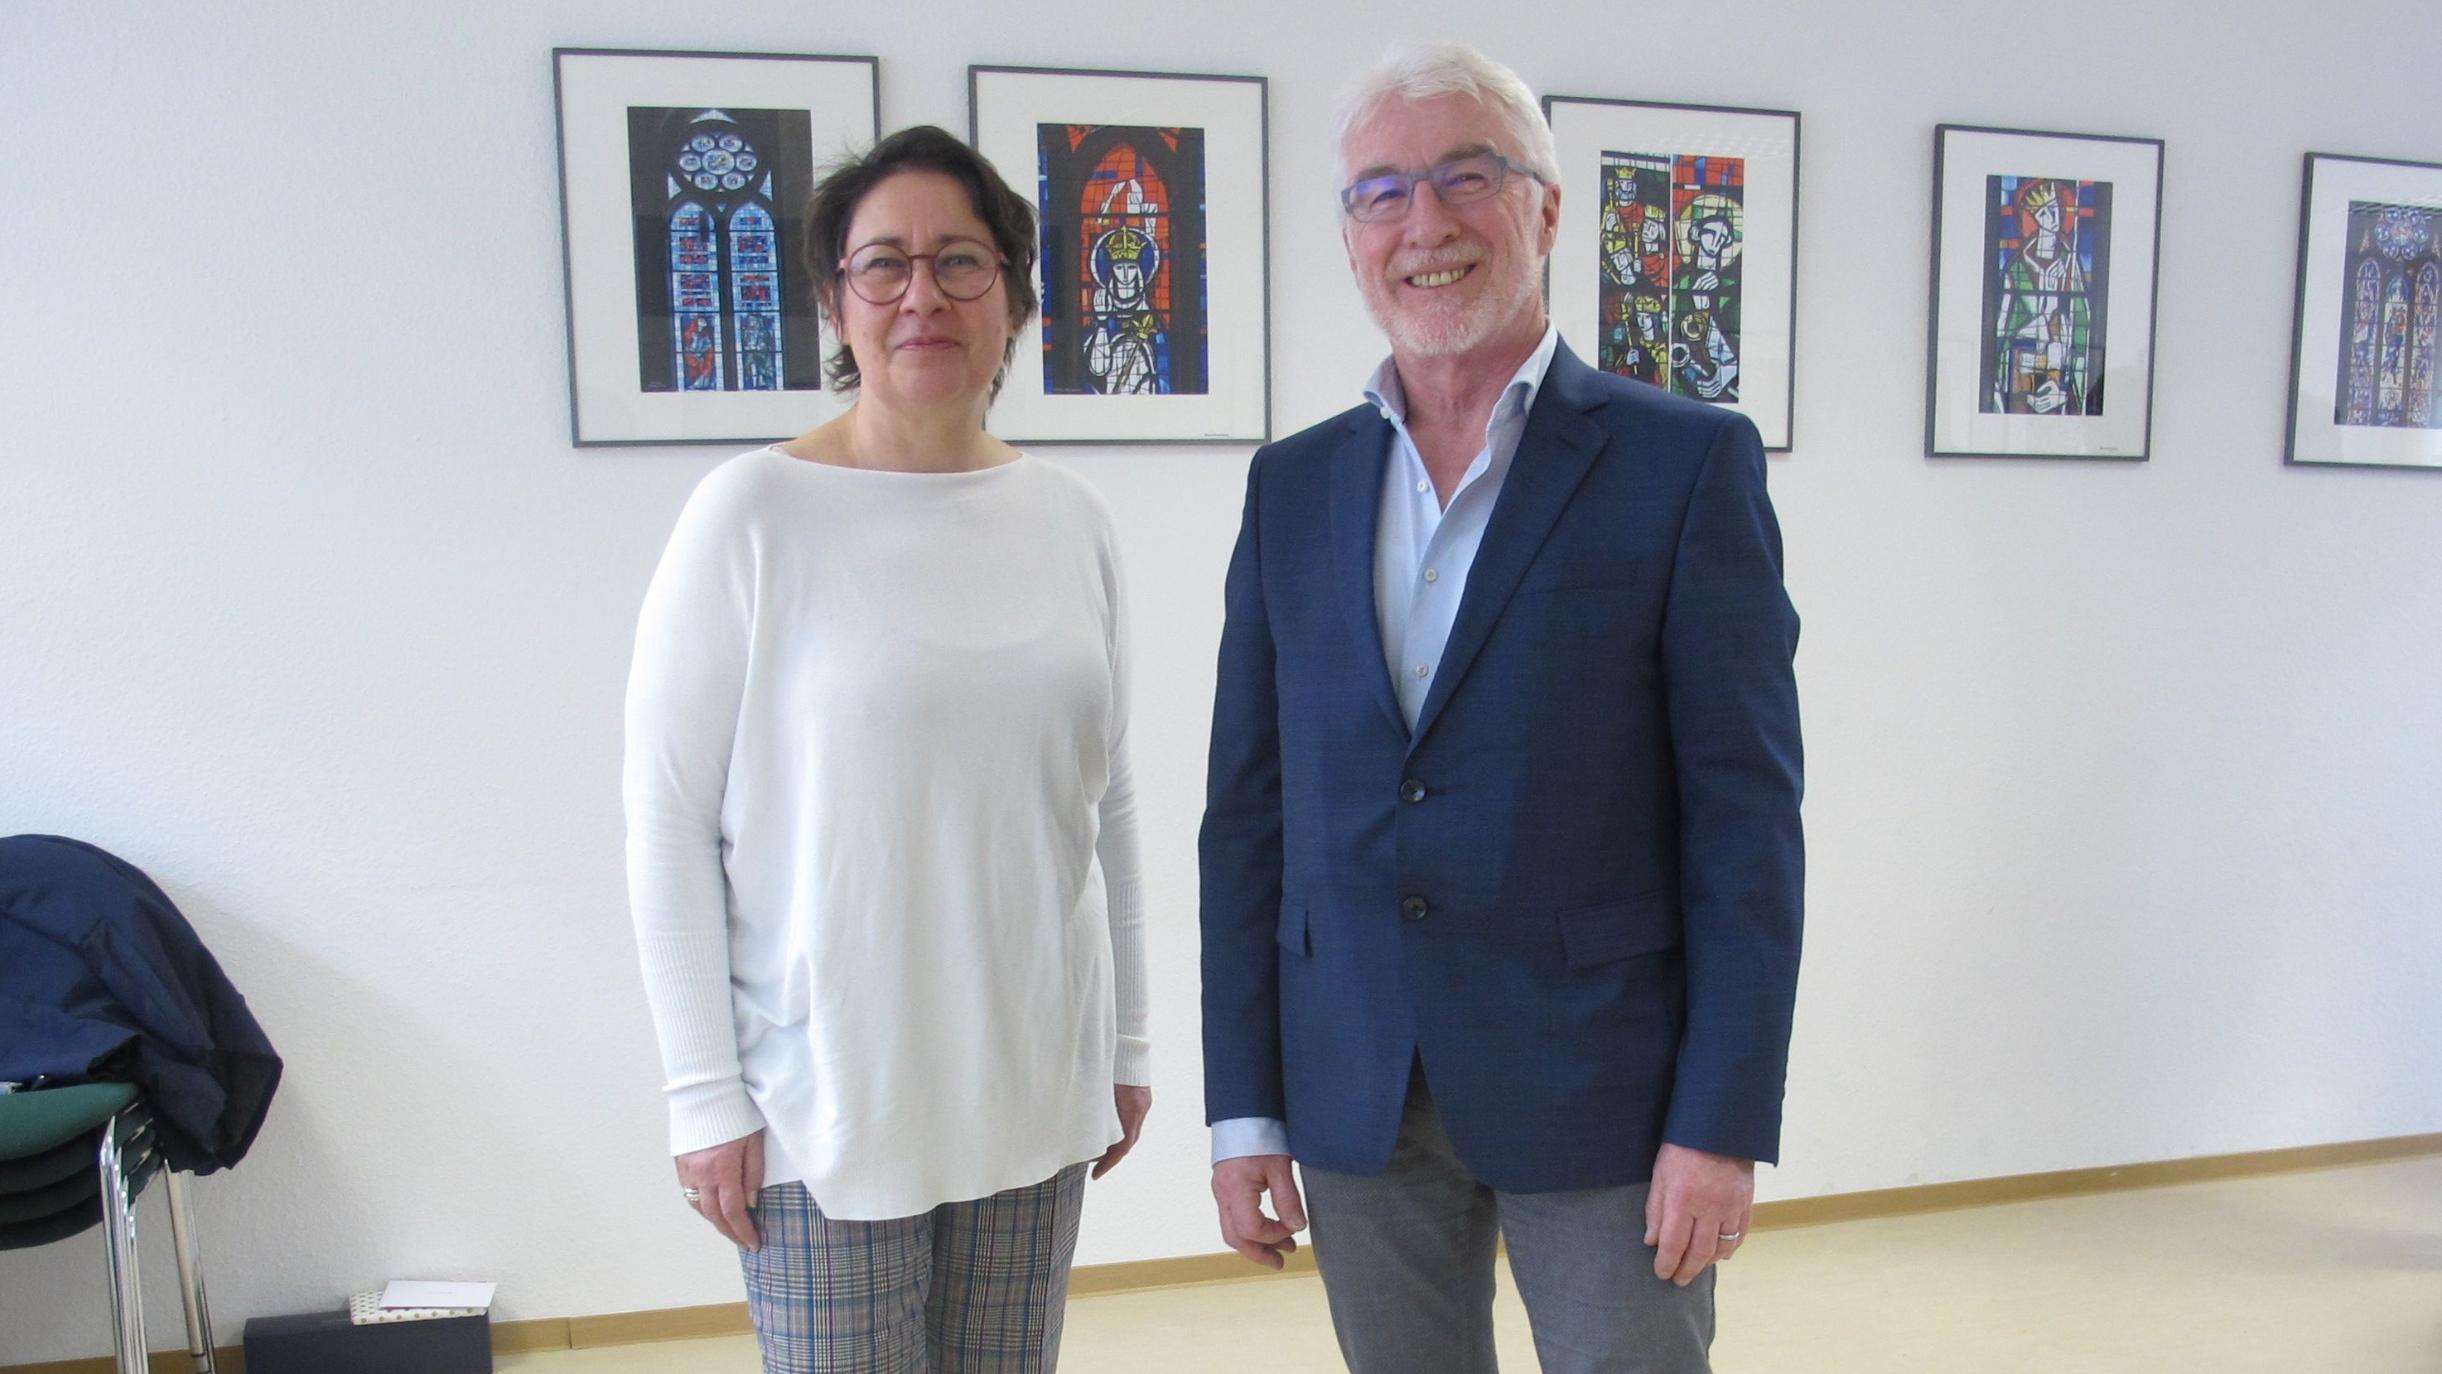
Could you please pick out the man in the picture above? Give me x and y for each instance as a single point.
(1501, 858)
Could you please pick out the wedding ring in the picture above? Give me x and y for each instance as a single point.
(691, 1194)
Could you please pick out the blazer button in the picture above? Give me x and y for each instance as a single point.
(1411, 791)
(1414, 908)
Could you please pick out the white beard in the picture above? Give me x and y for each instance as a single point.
(1426, 328)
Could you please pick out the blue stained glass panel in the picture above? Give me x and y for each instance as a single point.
(2388, 321)
(756, 299)
(720, 305)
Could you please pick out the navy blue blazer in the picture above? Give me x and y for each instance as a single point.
(1574, 892)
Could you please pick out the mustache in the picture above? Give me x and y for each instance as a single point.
(1426, 263)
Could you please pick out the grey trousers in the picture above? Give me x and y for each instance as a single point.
(1407, 1264)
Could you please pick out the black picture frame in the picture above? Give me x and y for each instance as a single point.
(788, 113)
(1051, 397)
(1984, 400)
(2390, 239)
(1595, 137)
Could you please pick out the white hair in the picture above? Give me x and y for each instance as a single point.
(1439, 69)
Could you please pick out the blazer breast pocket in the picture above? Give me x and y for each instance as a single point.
(1613, 573)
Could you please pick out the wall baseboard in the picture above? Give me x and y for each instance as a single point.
(1138, 1276)
(1990, 1192)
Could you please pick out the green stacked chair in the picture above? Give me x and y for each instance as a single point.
(73, 1156)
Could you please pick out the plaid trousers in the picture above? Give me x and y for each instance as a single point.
(966, 1288)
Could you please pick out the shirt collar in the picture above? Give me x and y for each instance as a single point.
(1384, 393)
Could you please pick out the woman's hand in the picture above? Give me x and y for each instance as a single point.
(724, 1181)
(1133, 1103)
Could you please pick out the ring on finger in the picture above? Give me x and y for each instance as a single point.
(691, 1194)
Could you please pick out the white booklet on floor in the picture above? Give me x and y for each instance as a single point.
(425, 1293)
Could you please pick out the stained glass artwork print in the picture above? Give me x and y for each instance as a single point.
(1672, 230)
(720, 303)
(1124, 305)
(2047, 276)
(2392, 293)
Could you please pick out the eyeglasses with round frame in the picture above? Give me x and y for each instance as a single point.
(963, 269)
(1458, 181)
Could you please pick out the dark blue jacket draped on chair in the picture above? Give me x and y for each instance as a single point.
(101, 978)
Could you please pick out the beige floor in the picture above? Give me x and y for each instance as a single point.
(2331, 1272)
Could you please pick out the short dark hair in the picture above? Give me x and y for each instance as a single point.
(923, 148)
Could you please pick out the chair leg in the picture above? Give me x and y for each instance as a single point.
(119, 1237)
(190, 1275)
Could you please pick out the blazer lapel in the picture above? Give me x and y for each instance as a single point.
(1356, 499)
(1560, 443)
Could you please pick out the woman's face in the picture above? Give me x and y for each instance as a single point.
(926, 348)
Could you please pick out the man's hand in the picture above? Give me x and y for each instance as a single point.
(1133, 1103)
(726, 1180)
(1697, 1210)
(1238, 1189)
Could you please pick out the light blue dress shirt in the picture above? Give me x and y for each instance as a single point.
(1423, 551)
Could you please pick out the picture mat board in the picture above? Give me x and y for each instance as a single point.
(1963, 160)
(1584, 130)
(1007, 107)
(2332, 182)
(596, 89)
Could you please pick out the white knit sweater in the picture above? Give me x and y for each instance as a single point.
(881, 837)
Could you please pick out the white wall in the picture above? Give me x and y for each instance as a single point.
(2124, 777)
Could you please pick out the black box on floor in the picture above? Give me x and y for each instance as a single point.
(328, 1343)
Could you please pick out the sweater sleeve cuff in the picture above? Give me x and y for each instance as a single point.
(703, 1115)
(1133, 1066)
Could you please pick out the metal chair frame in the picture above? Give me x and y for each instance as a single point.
(119, 1242)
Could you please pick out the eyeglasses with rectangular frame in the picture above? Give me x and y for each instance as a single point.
(879, 273)
(1458, 181)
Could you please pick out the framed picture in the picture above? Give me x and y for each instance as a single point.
(683, 183)
(1676, 262)
(2362, 389)
(1153, 193)
(2044, 248)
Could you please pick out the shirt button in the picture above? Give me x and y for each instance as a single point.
(1421, 670)
(1432, 574)
(1415, 908)
(1423, 487)
(1411, 791)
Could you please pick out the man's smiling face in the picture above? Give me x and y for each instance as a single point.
(1444, 279)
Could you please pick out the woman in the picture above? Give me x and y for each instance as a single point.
(881, 842)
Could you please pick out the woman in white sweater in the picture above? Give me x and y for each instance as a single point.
(881, 837)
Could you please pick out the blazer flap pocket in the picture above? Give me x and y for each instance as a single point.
(1293, 937)
(1552, 575)
(1593, 935)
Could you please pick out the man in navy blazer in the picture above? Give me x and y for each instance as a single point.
(1502, 867)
